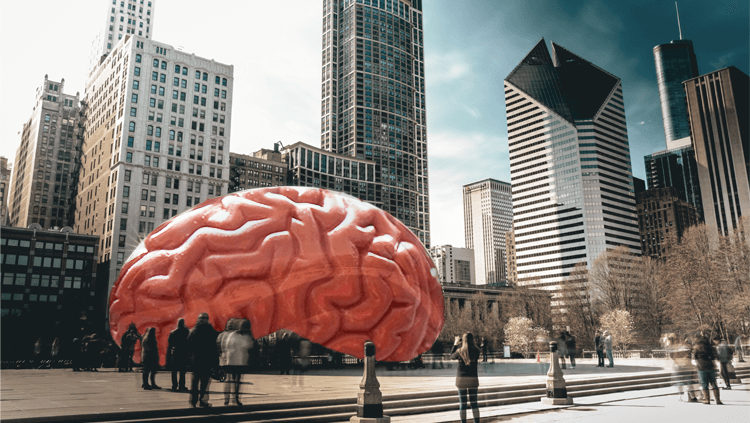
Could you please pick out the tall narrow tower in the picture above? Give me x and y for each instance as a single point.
(373, 99)
(569, 164)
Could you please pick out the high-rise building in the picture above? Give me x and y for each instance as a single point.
(675, 63)
(373, 101)
(569, 164)
(718, 111)
(488, 215)
(454, 265)
(510, 258)
(46, 166)
(661, 214)
(124, 17)
(676, 168)
(5, 173)
(157, 143)
(264, 168)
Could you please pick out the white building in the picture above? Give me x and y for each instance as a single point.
(488, 215)
(156, 142)
(454, 265)
(569, 163)
(124, 17)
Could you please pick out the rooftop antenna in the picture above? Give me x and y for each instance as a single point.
(678, 19)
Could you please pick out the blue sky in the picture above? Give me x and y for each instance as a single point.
(470, 47)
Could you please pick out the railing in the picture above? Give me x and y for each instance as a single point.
(617, 354)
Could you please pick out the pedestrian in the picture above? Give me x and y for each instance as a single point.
(127, 348)
(483, 346)
(235, 348)
(202, 346)
(177, 353)
(149, 359)
(599, 346)
(284, 353)
(704, 356)
(738, 348)
(562, 348)
(724, 353)
(221, 347)
(570, 345)
(608, 348)
(680, 366)
(76, 348)
(38, 354)
(54, 352)
(94, 352)
(467, 380)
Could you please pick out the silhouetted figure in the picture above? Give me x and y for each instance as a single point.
(562, 349)
(738, 348)
(235, 355)
(599, 346)
(150, 359)
(724, 353)
(681, 364)
(483, 346)
(570, 346)
(38, 346)
(54, 352)
(303, 361)
(202, 346)
(77, 351)
(127, 348)
(437, 354)
(467, 380)
(704, 356)
(608, 348)
(93, 352)
(284, 353)
(177, 354)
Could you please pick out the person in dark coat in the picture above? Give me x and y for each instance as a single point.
(599, 345)
(562, 349)
(127, 348)
(570, 346)
(724, 353)
(704, 356)
(177, 354)
(202, 346)
(284, 353)
(150, 359)
(467, 381)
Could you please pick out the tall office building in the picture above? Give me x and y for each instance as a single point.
(678, 169)
(124, 17)
(5, 174)
(264, 168)
(675, 63)
(156, 143)
(718, 111)
(569, 164)
(662, 214)
(46, 167)
(454, 265)
(488, 215)
(373, 99)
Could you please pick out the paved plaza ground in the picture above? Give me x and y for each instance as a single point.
(39, 393)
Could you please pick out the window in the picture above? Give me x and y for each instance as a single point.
(216, 92)
(137, 71)
(152, 197)
(175, 95)
(155, 164)
(154, 76)
(171, 134)
(128, 157)
(223, 94)
(127, 176)
(157, 146)
(170, 164)
(144, 193)
(175, 198)
(153, 89)
(135, 84)
(205, 76)
(133, 112)
(130, 141)
(149, 130)
(161, 91)
(123, 224)
(164, 65)
(184, 69)
(197, 74)
(224, 82)
(158, 132)
(218, 80)
(204, 89)
(156, 63)
(125, 191)
(137, 58)
(176, 82)
(134, 98)
(177, 69)
(162, 78)
(151, 102)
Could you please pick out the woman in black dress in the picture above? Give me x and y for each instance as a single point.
(150, 359)
(467, 381)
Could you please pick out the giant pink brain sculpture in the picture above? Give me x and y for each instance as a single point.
(331, 268)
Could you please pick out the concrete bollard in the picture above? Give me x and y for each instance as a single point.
(369, 398)
(557, 393)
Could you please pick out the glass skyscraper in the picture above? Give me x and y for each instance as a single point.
(675, 63)
(373, 99)
(676, 168)
(572, 183)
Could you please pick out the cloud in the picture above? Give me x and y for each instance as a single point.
(446, 67)
(642, 123)
(473, 111)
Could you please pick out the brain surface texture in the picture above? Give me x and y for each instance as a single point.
(331, 268)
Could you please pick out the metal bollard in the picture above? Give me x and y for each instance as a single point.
(557, 393)
(369, 398)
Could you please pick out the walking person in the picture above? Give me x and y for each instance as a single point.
(562, 348)
(724, 353)
(681, 365)
(177, 353)
(127, 348)
(467, 380)
(54, 352)
(236, 347)
(704, 356)
(599, 346)
(38, 346)
(483, 346)
(149, 359)
(570, 345)
(738, 348)
(202, 346)
(284, 353)
(608, 348)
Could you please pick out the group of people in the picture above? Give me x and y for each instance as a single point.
(603, 343)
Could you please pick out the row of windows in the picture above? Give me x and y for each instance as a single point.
(24, 243)
(44, 281)
(32, 297)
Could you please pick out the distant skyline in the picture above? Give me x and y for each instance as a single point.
(470, 47)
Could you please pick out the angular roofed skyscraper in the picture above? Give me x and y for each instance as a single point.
(571, 176)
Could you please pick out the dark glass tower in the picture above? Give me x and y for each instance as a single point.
(676, 168)
(675, 63)
(373, 99)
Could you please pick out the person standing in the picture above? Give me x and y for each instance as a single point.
(562, 349)
(467, 380)
(149, 359)
(724, 353)
(284, 353)
(54, 352)
(704, 356)
(202, 346)
(484, 349)
(570, 345)
(127, 348)
(738, 348)
(608, 348)
(37, 364)
(599, 345)
(177, 354)
(681, 365)
(236, 347)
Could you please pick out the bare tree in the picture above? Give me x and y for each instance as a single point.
(620, 324)
(576, 307)
(521, 335)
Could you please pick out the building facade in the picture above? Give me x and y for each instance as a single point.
(373, 99)
(454, 265)
(661, 215)
(676, 168)
(49, 284)
(158, 126)
(510, 258)
(718, 111)
(264, 168)
(5, 173)
(46, 166)
(570, 165)
(675, 63)
(488, 216)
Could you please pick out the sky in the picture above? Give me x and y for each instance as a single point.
(470, 47)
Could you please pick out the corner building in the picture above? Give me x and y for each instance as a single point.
(569, 163)
(373, 99)
(675, 62)
(157, 143)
